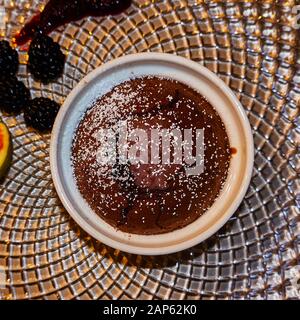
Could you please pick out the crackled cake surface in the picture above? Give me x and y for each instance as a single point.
(150, 198)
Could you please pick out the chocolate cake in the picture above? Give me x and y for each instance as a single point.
(150, 195)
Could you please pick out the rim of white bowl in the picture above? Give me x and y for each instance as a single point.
(127, 245)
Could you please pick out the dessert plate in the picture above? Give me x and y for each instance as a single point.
(252, 47)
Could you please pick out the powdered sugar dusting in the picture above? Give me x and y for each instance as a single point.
(150, 198)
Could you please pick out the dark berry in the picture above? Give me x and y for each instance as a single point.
(40, 114)
(9, 60)
(46, 60)
(14, 96)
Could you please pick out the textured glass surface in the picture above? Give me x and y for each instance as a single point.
(253, 47)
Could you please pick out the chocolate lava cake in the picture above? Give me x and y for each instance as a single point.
(150, 198)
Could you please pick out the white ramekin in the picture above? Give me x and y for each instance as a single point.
(101, 81)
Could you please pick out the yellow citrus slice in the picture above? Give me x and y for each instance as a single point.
(5, 149)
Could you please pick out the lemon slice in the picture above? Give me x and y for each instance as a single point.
(5, 149)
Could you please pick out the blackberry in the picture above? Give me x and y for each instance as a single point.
(40, 114)
(14, 96)
(46, 60)
(9, 60)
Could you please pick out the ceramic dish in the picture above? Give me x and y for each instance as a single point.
(99, 82)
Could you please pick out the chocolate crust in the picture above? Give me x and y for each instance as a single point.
(131, 197)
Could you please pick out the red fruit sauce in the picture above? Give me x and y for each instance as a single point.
(59, 12)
